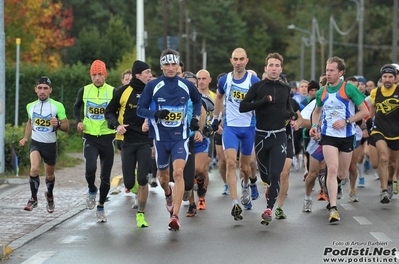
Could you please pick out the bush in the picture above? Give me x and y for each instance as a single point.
(12, 137)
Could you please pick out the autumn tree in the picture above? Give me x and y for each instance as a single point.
(43, 28)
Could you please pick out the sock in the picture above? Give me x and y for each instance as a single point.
(253, 180)
(50, 187)
(100, 208)
(308, 198)
(360, 169)
(234, 202)
(34, 183)
(333, 207)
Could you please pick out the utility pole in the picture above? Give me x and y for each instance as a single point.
(140, 47)
(360, 41)
(180, 26)
(187, 66)
(18, 43)
(2, 86)
(165, 24)
(395, 32)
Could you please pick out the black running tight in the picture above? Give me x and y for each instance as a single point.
(270, 155)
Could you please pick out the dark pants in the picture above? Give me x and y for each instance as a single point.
(133, 153)
(99, 146)
(270, 155)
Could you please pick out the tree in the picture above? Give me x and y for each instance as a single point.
(43, 27)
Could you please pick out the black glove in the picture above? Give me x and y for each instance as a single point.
(194, 124)
(215, 124)
(161, 114)
(294, 116)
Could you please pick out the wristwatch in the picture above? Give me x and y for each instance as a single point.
(59, 124)
(347, 121)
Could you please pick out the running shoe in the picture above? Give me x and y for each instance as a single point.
(236, 212)
(254, 191)
(307, 206)
(385, 197)
(135, 188)
(32, 203)
(361, 183)
(201, 203)
(266, 217)
(140, 219)
(339, 194)
(248, 206)
(91, 200)
(376, 176)
(245, 194)
(367, 165)
(135, 204)
(279, 213)
(395, 187)
(344, 181)
(322, 196)
(100, 214)
(186, 195)
(300, 161)
(152, 181)
(390, 190)
(353, 196)
(225, 189)
(169, 200)
(50, 203)
(333, 216)
(192, 210)
(174, 223)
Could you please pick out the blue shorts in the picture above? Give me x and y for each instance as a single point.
(315, 150)
(239, 137)
(203, 146)
(169, 151)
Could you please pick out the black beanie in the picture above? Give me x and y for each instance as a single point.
(139, 67)
(313, 85)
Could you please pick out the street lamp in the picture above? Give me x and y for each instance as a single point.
(312, 44)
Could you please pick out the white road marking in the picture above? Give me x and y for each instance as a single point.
(362, 220)
(381, 236)
(68, 239)
(348, 207)
(39, 257)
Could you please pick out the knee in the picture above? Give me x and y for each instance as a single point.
(178, 174)
(231, 164)
(34, 171)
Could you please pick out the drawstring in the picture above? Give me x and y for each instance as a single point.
(270, 132)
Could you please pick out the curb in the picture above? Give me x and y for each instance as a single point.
(116, 181)
(8, 249)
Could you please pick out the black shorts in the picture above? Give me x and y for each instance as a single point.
(47, 151)
(290, 149)
(392, 144)
(342, 144)
(218, 139)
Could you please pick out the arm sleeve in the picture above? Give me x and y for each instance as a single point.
(77, 107)
(111, 111)
(196, 99)
(247, 104)
(144, 103)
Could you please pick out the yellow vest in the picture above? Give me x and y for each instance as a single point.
(95, 101)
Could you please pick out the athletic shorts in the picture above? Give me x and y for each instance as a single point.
(239, 138)
(169, 151)
(47, 151)
(200, 147)
(315, 150)
(392, 144)
(119, 144)
(342, 144)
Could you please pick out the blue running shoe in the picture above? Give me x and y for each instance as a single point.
(248, 206)
(367, 165)
(254, 191)
(225, 189)
(361, 183)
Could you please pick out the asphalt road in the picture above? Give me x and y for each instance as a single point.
(367, 232)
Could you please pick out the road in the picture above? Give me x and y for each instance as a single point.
(212, 236)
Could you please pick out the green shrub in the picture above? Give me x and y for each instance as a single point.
(12, 137)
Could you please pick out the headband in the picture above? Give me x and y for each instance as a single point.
(388, 69)
(170, 59)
